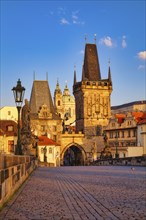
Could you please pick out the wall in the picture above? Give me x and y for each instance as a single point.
(14, 170)
(135, 151)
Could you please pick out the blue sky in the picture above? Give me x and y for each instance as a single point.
(49, 36)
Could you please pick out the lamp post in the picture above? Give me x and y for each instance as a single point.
(18, 92)
(117, 154)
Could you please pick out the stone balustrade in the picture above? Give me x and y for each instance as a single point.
(127, 161)
(14, 170)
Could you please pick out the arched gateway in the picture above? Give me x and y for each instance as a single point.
(73, 155)
(72, 151)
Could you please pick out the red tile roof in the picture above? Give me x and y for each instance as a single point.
(139, 116)
(43, 140)
(142, 122)
(4, 124)
(120, 118)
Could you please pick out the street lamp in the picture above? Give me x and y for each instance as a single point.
(117, 154)
(18, 92)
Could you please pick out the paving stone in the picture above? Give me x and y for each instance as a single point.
(80, 193)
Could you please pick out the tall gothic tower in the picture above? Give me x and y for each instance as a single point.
(92, 94)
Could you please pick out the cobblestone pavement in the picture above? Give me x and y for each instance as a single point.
(80, 193)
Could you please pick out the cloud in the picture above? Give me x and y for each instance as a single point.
(142, 55)
(61, 11)
(75, 18)
(107, 41)
(124, 43)
(63, 21)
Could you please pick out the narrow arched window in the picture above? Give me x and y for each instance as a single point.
(58, 102)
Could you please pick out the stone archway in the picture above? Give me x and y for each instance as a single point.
(73, 155)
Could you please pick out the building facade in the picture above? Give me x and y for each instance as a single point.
(123, 133)
(8, 136)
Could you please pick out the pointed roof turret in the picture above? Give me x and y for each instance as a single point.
(91, 69)
(75, 79)
(57, 90)
(66, 90)
(41, 95)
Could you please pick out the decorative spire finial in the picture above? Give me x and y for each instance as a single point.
(75, 75)
(109, 62)
(47, 76)
(95, 38)
(33, 75)
(109, 72)
(85, 38)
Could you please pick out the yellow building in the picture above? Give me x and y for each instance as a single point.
(48, 151)
(8, 113)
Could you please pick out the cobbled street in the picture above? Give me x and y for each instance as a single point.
(80, 193)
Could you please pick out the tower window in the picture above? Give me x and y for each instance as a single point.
(58, 102)
(10, 128)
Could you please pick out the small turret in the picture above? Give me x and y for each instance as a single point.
(58, 90)
(66, 90)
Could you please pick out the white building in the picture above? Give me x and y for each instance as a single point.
(48, 151)
(8, 113)
(141, 134)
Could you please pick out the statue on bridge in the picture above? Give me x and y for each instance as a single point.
(26, 134)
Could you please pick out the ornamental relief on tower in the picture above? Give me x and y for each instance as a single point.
(44, 112)
(96, 106)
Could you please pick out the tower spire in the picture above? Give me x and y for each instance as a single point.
(34, 75)
(46, 76)
(109, 72)
(91, 68)
(85, 38)
(75, 80)
(95, 38)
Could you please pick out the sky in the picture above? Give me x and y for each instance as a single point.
(49, 37)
